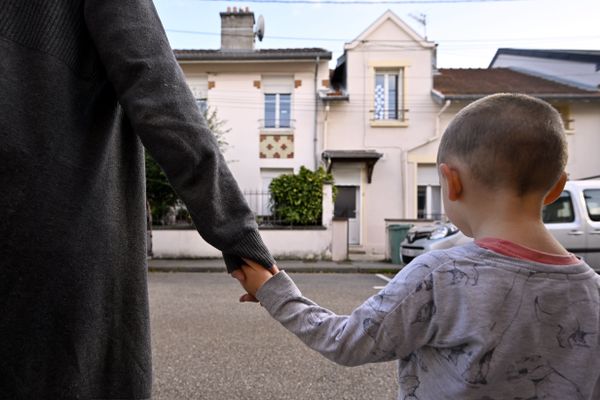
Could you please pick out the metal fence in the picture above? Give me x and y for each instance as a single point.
(261, 205)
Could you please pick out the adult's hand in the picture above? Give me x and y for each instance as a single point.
(252, 276)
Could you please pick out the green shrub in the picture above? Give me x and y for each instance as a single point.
(297, 199)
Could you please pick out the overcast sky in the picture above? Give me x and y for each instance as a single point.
(468, 34)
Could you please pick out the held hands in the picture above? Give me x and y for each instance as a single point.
(252, 276)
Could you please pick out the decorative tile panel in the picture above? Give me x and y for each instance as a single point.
(276, 146)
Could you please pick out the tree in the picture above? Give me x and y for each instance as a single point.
(164, 202)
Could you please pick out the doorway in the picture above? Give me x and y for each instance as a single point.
(347, 205)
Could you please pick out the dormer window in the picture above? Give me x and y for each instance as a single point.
(389, 102)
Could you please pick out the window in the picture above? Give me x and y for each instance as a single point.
(277, 110)
(592, 202)
(429, 202)
(202, 105)
(388, 95)
(565, 113)
(560, 211)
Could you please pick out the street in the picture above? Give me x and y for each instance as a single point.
(206, 345)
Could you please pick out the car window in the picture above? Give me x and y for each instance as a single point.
(559, 211)
(592, 202)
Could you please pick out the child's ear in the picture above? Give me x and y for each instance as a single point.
(453, 181)
(556, 190)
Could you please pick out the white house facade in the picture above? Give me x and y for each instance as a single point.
(265, 97)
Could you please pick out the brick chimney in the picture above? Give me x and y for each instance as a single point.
(237, 29)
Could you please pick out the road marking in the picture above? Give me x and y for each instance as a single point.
(385, 278)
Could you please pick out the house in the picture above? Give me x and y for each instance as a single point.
(579, 108)
(389, 105)
(378, 109)
(267, 100)
(266, 97)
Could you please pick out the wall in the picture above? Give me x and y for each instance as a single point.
(584, 141)
(241, 105)
(285, 243)
(311, 244)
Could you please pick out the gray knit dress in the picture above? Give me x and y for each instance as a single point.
(84, 85)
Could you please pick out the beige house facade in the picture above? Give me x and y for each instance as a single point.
(384, 81)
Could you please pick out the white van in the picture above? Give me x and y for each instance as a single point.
(574, 219)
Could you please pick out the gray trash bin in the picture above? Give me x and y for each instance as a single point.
(397, 233)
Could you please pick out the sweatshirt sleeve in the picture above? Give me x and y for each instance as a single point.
(388, 326)
(152, 90)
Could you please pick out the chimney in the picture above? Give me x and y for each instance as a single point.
(237, 29)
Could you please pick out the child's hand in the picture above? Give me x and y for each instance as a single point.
(252, 276)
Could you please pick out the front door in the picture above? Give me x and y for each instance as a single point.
(347, 206)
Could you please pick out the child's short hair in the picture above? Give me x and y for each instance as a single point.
(508, 140)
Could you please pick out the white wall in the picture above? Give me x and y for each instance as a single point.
(584, 141)
(285, 243)
(241, 105)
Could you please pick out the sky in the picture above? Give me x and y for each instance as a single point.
(467, 32)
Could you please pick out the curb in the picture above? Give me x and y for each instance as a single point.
(306, 268)
(291, 270)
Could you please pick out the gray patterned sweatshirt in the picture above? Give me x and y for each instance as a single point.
(465, 323)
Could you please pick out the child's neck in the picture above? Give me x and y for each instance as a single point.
(513, 218)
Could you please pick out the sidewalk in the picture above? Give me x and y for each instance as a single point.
(217, 265)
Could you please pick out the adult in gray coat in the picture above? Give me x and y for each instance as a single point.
(84, 84)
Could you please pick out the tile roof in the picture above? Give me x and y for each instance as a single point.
(475, 83)
(592, 56)
(261, 54)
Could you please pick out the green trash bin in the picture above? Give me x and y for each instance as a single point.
(396, 234)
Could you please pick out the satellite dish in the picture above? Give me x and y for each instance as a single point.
(260, 28)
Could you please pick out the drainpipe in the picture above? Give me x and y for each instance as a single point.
(405, 153)
(325, 126)
(316, 133)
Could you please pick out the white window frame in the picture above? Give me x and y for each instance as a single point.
(277, 120)
(387, 71)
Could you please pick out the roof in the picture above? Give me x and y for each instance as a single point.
(470, 84)
(351, 154)
(250, 55)
(333, 95)
(389, 15)
(369, 157)
(591, 56)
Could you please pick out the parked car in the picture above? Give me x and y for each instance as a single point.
(574, 219)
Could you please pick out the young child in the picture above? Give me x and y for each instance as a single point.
(512, 315)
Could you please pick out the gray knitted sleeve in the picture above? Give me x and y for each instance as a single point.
(161, 109)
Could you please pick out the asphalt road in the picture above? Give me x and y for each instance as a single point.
(206, 345)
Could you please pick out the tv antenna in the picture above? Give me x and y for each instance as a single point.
(259, 29)
(422, 19)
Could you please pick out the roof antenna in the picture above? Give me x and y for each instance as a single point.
(422, 19)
